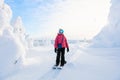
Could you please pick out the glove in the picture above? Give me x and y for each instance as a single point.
(55, 50)
(67, 49)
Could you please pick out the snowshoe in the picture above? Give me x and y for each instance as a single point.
(55, 67)
(60, 67)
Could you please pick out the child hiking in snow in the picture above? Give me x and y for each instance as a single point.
(60, 45)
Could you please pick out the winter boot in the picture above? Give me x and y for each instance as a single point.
(65, 62)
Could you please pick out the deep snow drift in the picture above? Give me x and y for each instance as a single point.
(109, 35)
(11, 48)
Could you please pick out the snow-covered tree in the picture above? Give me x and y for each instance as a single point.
(109, 35)
(19, 30)
(18, 26)
(12, 51)
(5, 16)
(1, 3)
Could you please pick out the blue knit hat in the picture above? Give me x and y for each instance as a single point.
(61, 31)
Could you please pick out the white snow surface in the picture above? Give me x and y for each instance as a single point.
(11, 48)
(18, 27)
(82, 64)
(19, 31)
(109, 35)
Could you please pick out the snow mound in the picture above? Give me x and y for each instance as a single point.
(109, 35)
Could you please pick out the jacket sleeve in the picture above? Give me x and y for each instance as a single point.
(55, 43)
(67, 46)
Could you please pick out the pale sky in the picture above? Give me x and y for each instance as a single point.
(78, 18)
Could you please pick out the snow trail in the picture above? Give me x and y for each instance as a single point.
(50, 75)
(87, 64)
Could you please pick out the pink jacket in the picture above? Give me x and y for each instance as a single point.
(60, 38)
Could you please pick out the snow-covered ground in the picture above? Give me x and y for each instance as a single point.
(21, 62)
(82, 64)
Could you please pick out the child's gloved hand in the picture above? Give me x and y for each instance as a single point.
(55, 50)
(67, 49)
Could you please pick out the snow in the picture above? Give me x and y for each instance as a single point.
(35, 63)
(108, 37)
(11, 48)
(82, 64)
(19, 31)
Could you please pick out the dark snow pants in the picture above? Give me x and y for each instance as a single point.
(60, 58)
